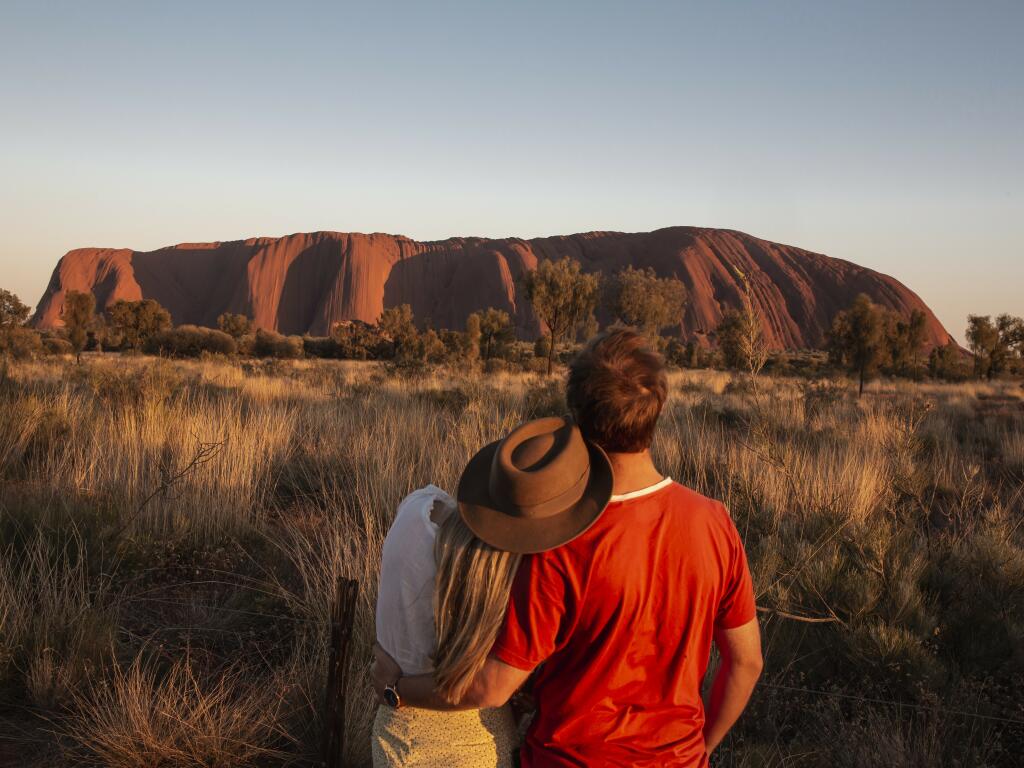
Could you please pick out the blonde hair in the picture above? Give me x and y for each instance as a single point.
(471, 594)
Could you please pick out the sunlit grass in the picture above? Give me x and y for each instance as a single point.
(884, 536)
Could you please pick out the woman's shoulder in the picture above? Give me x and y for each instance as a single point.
(429, 505)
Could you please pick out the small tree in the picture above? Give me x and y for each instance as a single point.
(542, 346)
(904, 341)
(356, 340)
(15, 340)
(496, 334)
(741, 337)
(473, 336)
(857, 341)
(136, 321)
(13, 313)
(946, 362)
(1011, 336)
(398, 323)
(640, 298)
(988, 345)
(729, 333)
(234, 325)
(563, 297)
(431, 348)
(77, 316)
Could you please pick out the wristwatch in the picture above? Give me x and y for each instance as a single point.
(391, 697)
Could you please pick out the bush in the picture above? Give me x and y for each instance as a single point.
(461, 347)
(55, 345)
(270, 344)
(190, 341)
(948, 363)
(356, 340)
(542, 346)
(20, 343)
(142, 715)
(497, 365)
(321, 346)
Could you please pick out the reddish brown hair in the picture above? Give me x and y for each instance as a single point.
(616, 390)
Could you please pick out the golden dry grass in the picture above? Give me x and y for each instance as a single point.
(884, 536)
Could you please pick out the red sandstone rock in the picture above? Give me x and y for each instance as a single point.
(304, 283)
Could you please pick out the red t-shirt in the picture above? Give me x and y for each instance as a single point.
(623, 618)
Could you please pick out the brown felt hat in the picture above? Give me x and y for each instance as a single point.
(536, 489)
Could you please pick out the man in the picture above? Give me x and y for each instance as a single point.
(618, 622)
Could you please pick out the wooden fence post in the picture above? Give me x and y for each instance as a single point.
(342, 619)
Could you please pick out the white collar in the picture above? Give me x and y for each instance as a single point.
(642, 492)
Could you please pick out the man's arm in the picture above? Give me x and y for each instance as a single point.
(734, 681)
(492, 687)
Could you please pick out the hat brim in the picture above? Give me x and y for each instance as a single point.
(483, 516)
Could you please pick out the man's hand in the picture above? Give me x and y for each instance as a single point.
(734, 682)
(385, 671)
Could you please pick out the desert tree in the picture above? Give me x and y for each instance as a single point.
(947, 362)
(496, 334)
(13, 313)
(399, 324)
(563, 297)
(856, 340)
(998, 345)
(1011, 334)
(741, 338)
(234, 325)
(684, 355)
(463, 346)
(356, 340)
(640, 298)
(431, 348)
(16, 340)
(541, 346)
(904, 339)
(473, 335)
(77, 315)
(988, 345)
(136, 321)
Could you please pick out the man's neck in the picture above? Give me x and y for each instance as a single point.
(633, 472)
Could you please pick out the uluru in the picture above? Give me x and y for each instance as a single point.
(304, 283)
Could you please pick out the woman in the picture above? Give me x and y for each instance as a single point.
(446, 577)
(433, 566)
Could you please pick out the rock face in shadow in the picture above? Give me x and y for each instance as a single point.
(304, 283)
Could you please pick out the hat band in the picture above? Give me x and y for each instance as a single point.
(558, 503)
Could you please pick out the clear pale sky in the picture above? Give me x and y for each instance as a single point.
(889, 134)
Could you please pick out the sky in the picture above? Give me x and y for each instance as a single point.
(889, 134)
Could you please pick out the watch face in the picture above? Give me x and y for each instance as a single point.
(390, 697)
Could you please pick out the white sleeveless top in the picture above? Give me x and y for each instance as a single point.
(405, 597)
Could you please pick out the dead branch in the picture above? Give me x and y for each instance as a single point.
(169, 476)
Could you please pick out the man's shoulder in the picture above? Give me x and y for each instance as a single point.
(682, 499)
(675, 502)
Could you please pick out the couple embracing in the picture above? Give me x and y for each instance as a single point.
(569, 573)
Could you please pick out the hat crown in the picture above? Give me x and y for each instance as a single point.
(540, 467)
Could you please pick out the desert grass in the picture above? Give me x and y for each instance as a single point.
(164, 606)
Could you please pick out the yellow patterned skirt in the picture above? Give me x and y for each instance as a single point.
(422, 738)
